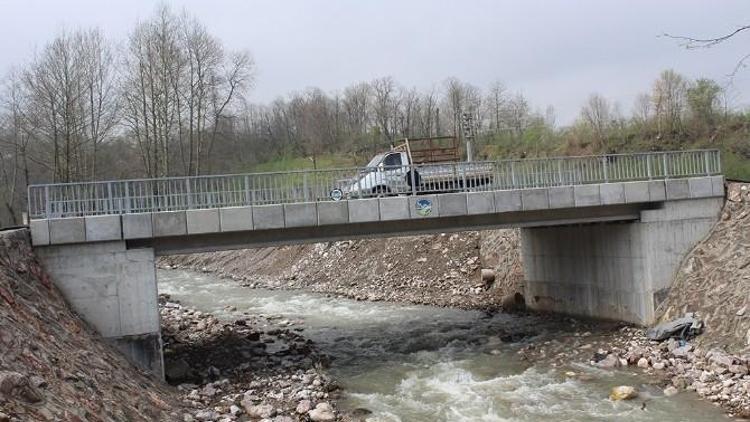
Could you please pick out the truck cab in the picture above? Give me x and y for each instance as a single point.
(383, 175)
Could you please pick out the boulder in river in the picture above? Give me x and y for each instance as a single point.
(623, 392)
(322, 413)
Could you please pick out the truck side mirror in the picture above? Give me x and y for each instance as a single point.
(381, 166)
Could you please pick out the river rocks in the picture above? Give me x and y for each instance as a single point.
(260, 411)
(242, 378)
(304, 406)
(206, 415)
(623, 392)
(322, 413)
(671, 391)
(610, 361)
(643, 363)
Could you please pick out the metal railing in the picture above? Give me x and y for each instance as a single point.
(200, 192)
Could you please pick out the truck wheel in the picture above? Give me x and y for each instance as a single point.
(417, 179)
(380, 191)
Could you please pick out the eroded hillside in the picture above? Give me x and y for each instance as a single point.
(714, 279)
(52, 365)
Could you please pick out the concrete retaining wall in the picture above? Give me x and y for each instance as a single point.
(617, 271)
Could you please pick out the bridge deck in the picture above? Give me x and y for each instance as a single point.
(188, 206)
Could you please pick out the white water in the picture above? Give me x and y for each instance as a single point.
(419, 363)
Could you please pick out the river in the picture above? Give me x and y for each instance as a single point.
(419, 363)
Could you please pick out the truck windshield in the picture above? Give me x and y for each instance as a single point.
(375, 161)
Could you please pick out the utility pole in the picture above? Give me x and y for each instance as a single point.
(467, 129)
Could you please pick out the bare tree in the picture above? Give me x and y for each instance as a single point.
(668, 96)
(596, 113)
(385, 105)
(496, 101)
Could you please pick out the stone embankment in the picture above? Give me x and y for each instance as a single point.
(714, 280)
(467, 270)
(249, 368)
(54, 367)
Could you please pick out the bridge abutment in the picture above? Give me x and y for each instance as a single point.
(113, 289)
(619, 271)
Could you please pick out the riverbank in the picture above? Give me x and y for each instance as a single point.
(252, 366)
(442, 270)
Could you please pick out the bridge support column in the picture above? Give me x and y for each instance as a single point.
(619, 271)
(114, 290)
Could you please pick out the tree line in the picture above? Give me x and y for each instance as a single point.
(172, 100)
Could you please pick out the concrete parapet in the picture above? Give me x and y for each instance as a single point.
(137, 226)
(169, 223)
(636, 192)
(394, 208)
(235, 219)
(39, 232)
(561, 197)
(103, 227)
(535, 199)
(480, 203)
(657, 191)
(677, 189)
(700, 187)
(364, 210)
(587, 195)
(67, 230)
(612, 193)
(300, 214)
(202, 221)
(333, 212)
(452, 204)
(508, 201)
(268, 217)
(717, 185)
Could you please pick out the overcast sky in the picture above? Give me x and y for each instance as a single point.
(554, 52)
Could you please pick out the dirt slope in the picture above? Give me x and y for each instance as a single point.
(714, 279)
(52, 365)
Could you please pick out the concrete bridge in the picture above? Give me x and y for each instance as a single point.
(602, 236)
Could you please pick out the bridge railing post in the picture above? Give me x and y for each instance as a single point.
(664, 164)
(110, 197)
(707, 161)
(47, 204)
(188, 195)
(248, 200)
(605, 168)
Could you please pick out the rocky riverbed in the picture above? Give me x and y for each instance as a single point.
(250, 368)
(676, 366)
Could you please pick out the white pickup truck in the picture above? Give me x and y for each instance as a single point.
(417, 166)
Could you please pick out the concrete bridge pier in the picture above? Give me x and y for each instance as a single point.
(619, 270)
(113, 289)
